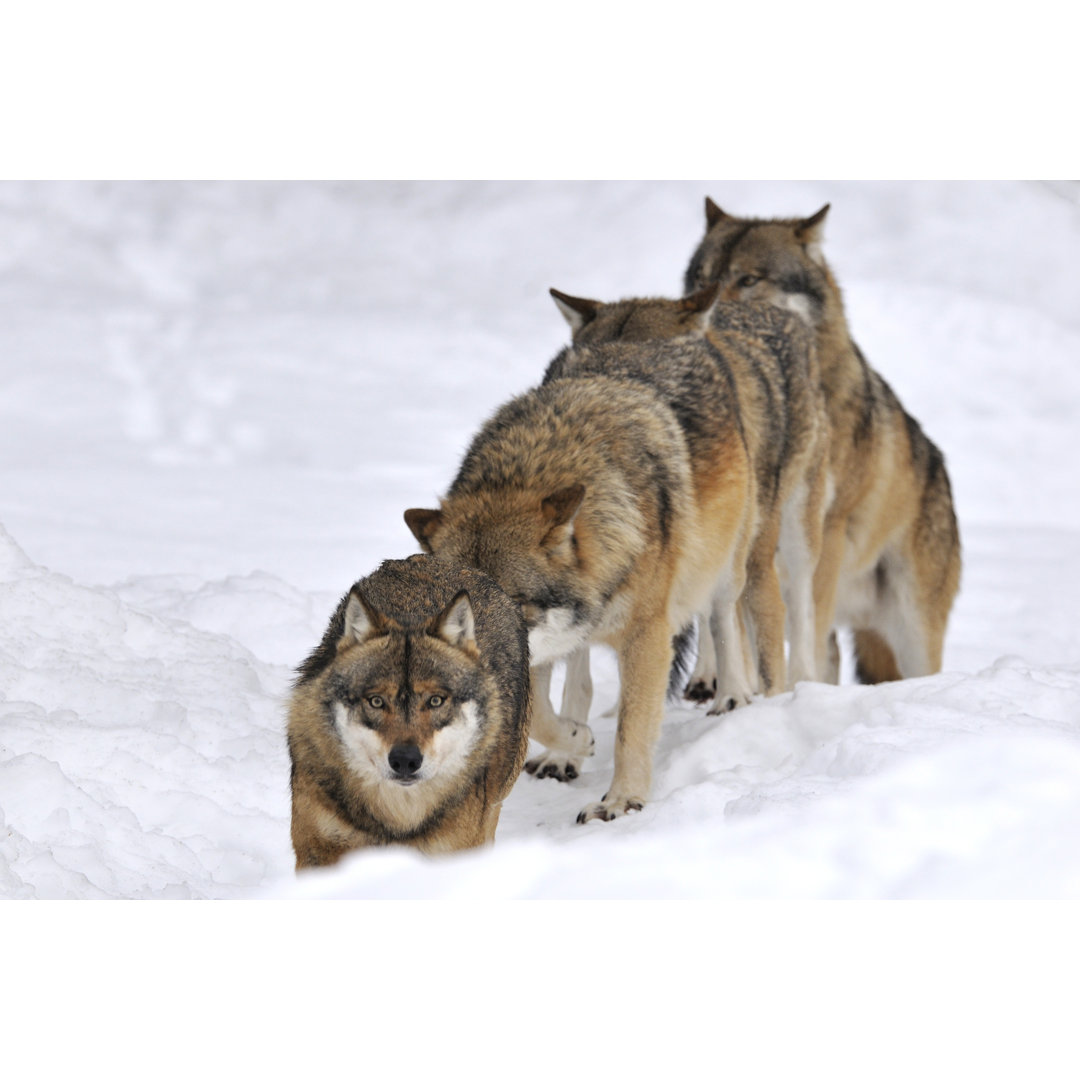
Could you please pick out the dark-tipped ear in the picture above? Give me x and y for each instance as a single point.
(457, 624)
(701, 300)
(560, 507)
(361, 622)
(810, 230)
(424, 525)
(713, 213)
(575, 310)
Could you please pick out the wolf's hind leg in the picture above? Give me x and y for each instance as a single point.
(702, 684)
(734, 683)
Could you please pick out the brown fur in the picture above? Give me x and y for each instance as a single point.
(769, 359)
(580, 499)
(421, 659)
(890, 559)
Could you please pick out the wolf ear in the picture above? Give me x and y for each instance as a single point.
(713, 213)
(811, 232)
(361, 623)
(560, 508)
(424, 525)
(457, 624)
(576, 311)
(701, 300)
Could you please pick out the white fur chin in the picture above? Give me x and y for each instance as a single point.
(555, 636)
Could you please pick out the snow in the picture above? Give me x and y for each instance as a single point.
(219, 399)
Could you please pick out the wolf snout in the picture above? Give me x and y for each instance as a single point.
(405, 759)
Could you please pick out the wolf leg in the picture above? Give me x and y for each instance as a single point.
(734, 681)
(568, 743)
(765, 607)
(826, 578)
(644, 663)
(489, 825)
(578, 687)
(798, 555)
(832, 666)
(702, 684)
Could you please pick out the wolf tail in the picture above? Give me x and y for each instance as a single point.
(680, 664)
(874, 660)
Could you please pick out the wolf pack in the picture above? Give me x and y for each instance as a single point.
(724, 467)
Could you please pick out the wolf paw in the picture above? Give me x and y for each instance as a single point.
(584, 740)
(555, 765)
(609, 809)
(728, 703)
(699, 690)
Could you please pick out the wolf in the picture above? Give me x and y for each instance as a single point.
(890, 558)
(580, 498)
(408, 724)
(769, 359)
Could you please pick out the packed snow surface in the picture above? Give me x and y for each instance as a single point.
(219, 398)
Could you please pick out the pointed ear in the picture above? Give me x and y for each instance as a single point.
(576, 311)
(361, 622)
(713, 213)
(457, 624)
(424, 525)
(560, 508)
(811, 230)
(701, 300)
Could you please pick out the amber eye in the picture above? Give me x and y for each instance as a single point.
(376, 702)
(435, 701)
(747, 280)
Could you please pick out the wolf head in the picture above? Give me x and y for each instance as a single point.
(407, 703)
(527, 545)
(776, 261)
(594, 323)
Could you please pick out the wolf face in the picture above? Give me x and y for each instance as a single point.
(526, 544)
(404, 705)
(777, 261)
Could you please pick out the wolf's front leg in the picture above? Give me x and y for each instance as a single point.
(568, 742)
(578, 688)
(644, 663)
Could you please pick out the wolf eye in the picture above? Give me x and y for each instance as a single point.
(435, 701)
(747, 280)
(376, 702)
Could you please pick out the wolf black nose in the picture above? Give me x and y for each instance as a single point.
(405, 759)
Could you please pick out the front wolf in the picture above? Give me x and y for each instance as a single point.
(408, 724)
(578, 499)
(890, 557)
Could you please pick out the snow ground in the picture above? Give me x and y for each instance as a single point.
(219, 398)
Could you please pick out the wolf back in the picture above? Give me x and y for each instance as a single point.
(767, 362)
(581, 500)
